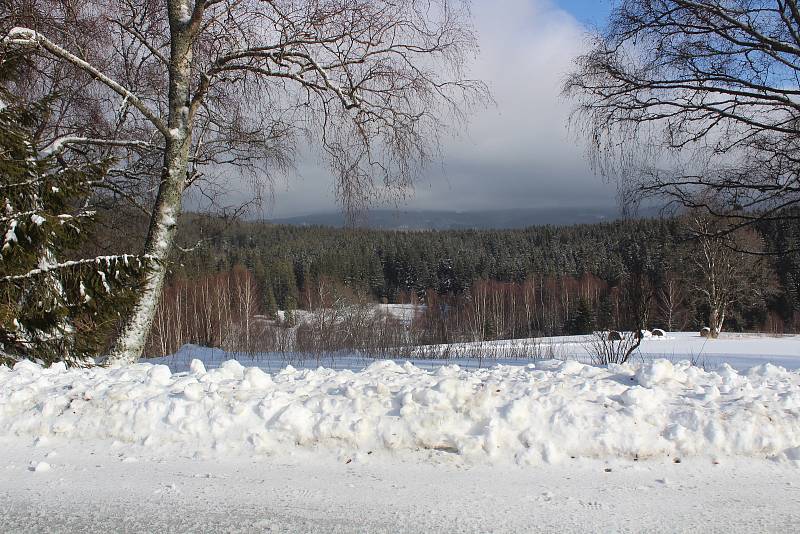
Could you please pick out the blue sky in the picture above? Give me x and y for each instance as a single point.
(593, 12)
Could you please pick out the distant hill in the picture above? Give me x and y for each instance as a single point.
(459, 220)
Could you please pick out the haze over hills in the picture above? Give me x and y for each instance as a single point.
(460, 220)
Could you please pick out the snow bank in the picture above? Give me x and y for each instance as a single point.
(537, 413)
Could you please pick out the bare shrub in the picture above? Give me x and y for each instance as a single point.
(604, 350)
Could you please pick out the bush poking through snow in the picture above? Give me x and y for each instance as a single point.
(613, 347)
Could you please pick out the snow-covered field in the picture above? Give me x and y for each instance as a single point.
(740, 351)
(537, 446)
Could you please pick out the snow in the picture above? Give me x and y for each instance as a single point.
(11, 236)
(21, 34)
(740, 351)
(168, 218)
(546, 412)
(404, 313)
(185, 12)
(104, 281)
(551, 445)
(82, 291)
(92, 488)
(41, 467)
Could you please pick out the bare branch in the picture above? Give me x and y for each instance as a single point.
(687, 99)
(27, 37)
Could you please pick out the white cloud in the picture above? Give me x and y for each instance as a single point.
(518, 154)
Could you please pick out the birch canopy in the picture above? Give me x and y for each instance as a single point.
(696, 102)
(202, 91)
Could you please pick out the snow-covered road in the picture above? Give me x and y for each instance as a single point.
(95, 488)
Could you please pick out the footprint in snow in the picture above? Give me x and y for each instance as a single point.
(168, 489)
(295, 493)
(546, 496)
(592, 505)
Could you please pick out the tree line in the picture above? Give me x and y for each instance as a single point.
(503, 284)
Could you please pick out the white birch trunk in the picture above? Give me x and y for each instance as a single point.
(716, 320)
(161, 235)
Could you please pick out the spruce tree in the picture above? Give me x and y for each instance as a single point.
(583, 321)
(290, 316)
(605, 313)
(53, 306)
(270, 304)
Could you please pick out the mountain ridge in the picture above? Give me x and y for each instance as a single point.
(389, 219)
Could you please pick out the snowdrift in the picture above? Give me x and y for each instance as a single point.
(543, 412)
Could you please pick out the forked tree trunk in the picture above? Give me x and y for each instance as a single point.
(715, 321)
(163, 225)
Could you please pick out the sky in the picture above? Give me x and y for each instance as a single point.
(586, 11)
(517, 154)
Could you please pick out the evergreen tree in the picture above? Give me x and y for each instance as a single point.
(605, 313)
(53, 307)
(270, 304)
(284, 285)
(623, 255)
(290, 308)
(583, 322)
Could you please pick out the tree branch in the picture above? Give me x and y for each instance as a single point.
(27, 37)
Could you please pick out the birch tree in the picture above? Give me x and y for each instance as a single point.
(213, 88)
(721, 269)
(696, 103)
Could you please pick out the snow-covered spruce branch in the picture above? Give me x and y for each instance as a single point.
(38, 216)
(125, 258)
(60, 144)
(20, 215)
(27, 37)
